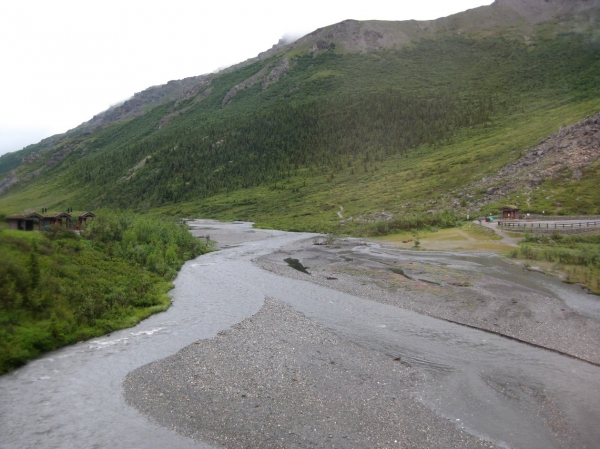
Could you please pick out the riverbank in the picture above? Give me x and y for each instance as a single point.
(493, 388)
(350, 365)
(517, 310)
(59, 287)
(277, 379)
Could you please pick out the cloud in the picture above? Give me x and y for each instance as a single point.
(116, 104)
(291, 36)
(287, 38)
(15, 139)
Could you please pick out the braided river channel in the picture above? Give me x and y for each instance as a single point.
(73, 397)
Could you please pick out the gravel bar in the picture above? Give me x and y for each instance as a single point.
(469, 298)
(279, 380)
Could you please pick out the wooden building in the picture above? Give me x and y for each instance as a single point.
(61, 219)
(80, 219)
(24, 221)
(30, 221)
(510, 212)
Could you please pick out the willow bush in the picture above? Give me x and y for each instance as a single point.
(58, 287)
(402, 223)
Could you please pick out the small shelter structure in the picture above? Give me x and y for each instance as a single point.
(55, 219)
(510, 212)
(25, 221)
(30, 221)
(81, 218)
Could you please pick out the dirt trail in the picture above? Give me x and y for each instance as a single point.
(506, 239)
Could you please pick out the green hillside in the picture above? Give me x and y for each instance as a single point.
(318, 132)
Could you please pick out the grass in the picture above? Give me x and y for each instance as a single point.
(468, 237)
(532, 92)
(515, 235)
(575, 258)
(480, 232)
(587, 276)
(70, 298)
(324, 74)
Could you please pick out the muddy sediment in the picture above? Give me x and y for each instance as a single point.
(277, 379)
(464, 297)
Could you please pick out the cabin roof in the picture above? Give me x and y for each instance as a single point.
(82, 214)
(509, 207)
(50, 214)
(55, 214)
(24, 216)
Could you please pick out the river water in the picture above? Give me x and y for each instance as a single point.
(505, 391)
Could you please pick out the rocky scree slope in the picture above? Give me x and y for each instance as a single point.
(574, 148)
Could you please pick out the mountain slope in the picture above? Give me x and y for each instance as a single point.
(397, 113)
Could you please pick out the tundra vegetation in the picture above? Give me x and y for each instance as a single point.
(395, 130)
(57, 287)
(577, 256)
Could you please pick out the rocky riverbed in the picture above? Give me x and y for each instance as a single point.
(255, 357)
(279, 380)
(507, 306)
(336, 357)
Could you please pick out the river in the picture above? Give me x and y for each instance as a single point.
(493, 387)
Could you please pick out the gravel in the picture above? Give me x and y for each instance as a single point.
(225, 235)
(278, 379)
(469, 298)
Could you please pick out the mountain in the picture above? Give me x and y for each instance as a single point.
(344, 123)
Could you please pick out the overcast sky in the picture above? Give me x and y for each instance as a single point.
(63, 61)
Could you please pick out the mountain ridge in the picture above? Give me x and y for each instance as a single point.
(352, 36)
(327, 108)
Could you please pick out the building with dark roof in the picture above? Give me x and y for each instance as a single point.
(509, 212)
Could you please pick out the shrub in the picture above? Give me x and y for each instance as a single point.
(446, 219)
(57, 288)
(159, 245)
